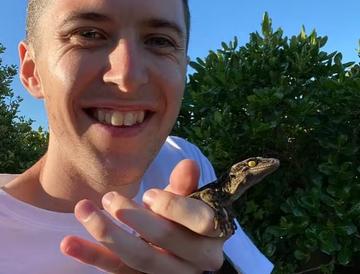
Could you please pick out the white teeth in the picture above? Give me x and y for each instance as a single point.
(108, 118)
(117, 118)
(100, 115)
(129, 119)
(140, 117)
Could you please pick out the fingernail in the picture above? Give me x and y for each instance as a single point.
(149, 197)
(74, 249)
(108, 197)
(85, 211)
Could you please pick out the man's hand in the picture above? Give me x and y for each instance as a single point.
(176, 233)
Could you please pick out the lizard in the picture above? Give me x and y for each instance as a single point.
(222, 193)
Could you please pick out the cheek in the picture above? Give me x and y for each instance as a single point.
(71, 76)
(65, 79)
(73, 73)
(178, 90)
(172, 79)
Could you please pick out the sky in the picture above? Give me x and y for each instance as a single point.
(214, 21)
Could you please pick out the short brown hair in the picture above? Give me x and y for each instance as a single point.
(35, 8)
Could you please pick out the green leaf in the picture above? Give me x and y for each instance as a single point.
(308, 202)
(224, 45)
(347, 229)
(327, 168)
(217, 117)
(338, 58)
(355, 210)
(300, 255)
(329, 243)
(328, 200)
(236, 42)
(196, 66)
(251, 207)
(275, 231)
(344, 256)
(303, 33)
(270, 250)
(279, 95)
(266, 25)
(327, 268)
(323, 41)
(201, 62)
(313, 38)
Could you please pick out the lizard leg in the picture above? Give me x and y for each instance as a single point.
(224, 220)
(223, 217)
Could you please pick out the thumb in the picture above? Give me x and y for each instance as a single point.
(184, 178)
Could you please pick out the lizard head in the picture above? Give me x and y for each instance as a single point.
(249, 172)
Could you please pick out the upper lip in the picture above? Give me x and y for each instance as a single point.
(120, 106)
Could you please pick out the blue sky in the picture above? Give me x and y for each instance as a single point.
(214, 21)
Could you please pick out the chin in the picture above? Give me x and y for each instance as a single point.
(121, 171)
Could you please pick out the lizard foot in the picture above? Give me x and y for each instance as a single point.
(225, 222)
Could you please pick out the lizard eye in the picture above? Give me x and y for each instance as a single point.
(252, 163)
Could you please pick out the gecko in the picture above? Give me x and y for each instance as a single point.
(222, 193)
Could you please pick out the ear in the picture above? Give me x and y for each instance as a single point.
(28, 71)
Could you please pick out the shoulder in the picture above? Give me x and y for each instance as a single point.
(176, 149)
(6, 178)
(180, 148)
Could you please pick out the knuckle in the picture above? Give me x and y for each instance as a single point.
(165, 232)
(169, 203)
(145, 260)
(101, 232)
(117, 206)
(213, 256)
(217, 262)
(205, 221)
(92, 257)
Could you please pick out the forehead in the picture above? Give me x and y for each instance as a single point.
(119, 11)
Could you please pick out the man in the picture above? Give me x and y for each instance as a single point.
(112, 74)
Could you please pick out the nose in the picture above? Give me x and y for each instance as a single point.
(127, 68)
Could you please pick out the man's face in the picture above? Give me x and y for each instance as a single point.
(112, 73)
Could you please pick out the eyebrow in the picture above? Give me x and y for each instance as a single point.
(88, 16)
(102, 18)
(164, 23)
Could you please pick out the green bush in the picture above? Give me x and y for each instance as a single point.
(20, 145)
(286, 98)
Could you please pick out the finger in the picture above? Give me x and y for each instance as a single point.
(204, 252)
(184, 178)
(132, 250)
(94, 254)
(191, 213)
(183, 181)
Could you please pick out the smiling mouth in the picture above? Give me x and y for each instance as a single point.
(118, 118)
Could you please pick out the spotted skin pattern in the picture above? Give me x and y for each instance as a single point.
(222, 193)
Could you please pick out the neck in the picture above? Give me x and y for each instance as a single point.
(57, 183)
(232, 189)
(226, 190)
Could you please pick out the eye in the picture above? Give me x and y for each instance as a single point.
(252, 163)
(159, 41)
(87, 37)
(91, 34)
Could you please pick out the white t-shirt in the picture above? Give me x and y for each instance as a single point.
(30, 236)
